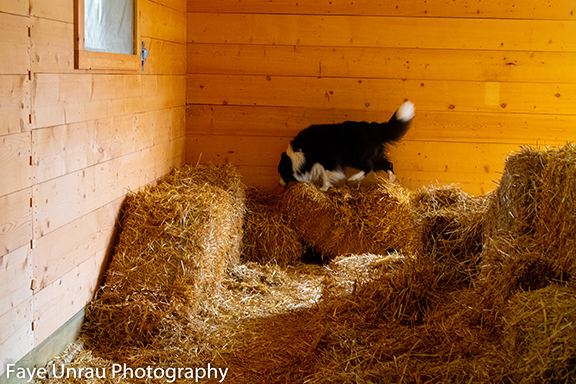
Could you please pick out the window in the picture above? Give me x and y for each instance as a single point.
(107, 35)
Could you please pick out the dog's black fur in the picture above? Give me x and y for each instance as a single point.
(321, 152)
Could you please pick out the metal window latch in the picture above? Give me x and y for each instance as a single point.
(143, 55)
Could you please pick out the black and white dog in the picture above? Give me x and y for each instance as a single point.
(321, 152)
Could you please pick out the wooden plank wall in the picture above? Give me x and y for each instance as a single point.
(485, 76)
(72, 143)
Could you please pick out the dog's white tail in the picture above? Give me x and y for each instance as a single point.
(405, 112)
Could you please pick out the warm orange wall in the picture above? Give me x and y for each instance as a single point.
(72, 143)
(486, 77)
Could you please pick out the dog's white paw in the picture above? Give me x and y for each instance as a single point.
(357, 176)
(391, 176)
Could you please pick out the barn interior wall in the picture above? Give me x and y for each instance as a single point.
(72, 144)
(234, 81)
(485, 77)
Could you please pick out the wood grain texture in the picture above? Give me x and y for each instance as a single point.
(72, 144)
(380, 94)
(15, 221)
(15, 40)
(427, 126)
(70, 245)
(14, 104)
(64, 99)
(15, 286)
(162, 22)
(384, 31)
(531, 9)
(62, 299)
(52, 46)
(61, 10)
(15, 163)
(67, 148)
(18, 7)
(16, 334)
(389, 63)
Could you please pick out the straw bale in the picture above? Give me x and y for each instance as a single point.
(420, 314)
(276, 349)
(540, 334)
(345, 220)
(176, 241)
(528, 234)
(450, 231)
(268, 237)
(403, 326)
(555, 226)
(227, 178)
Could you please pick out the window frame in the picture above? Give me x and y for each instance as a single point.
(93, 60)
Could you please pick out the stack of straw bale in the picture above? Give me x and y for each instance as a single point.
(177, 238)
(345, 220)
(480, 292)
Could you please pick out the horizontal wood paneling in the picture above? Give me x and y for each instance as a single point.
(62, 10)
(65, 297)
(67, 148)
(427, 126)
(161, 22)
(53, 50)
(64, 99)
(18, 7)
(72, 144)
(14, 104)
(51, 46)
(485, 76)
(15, 286)
(391, 32)
(477, 165)
(240, 150)
(530, 9)
(70, 245)
(16, 221)
(391, 63)
(84, 191)
(16, 334)
(380, 94)
(15, 162)
(164, 57)
(15, 40)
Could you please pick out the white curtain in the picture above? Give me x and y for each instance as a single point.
(109, 26)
